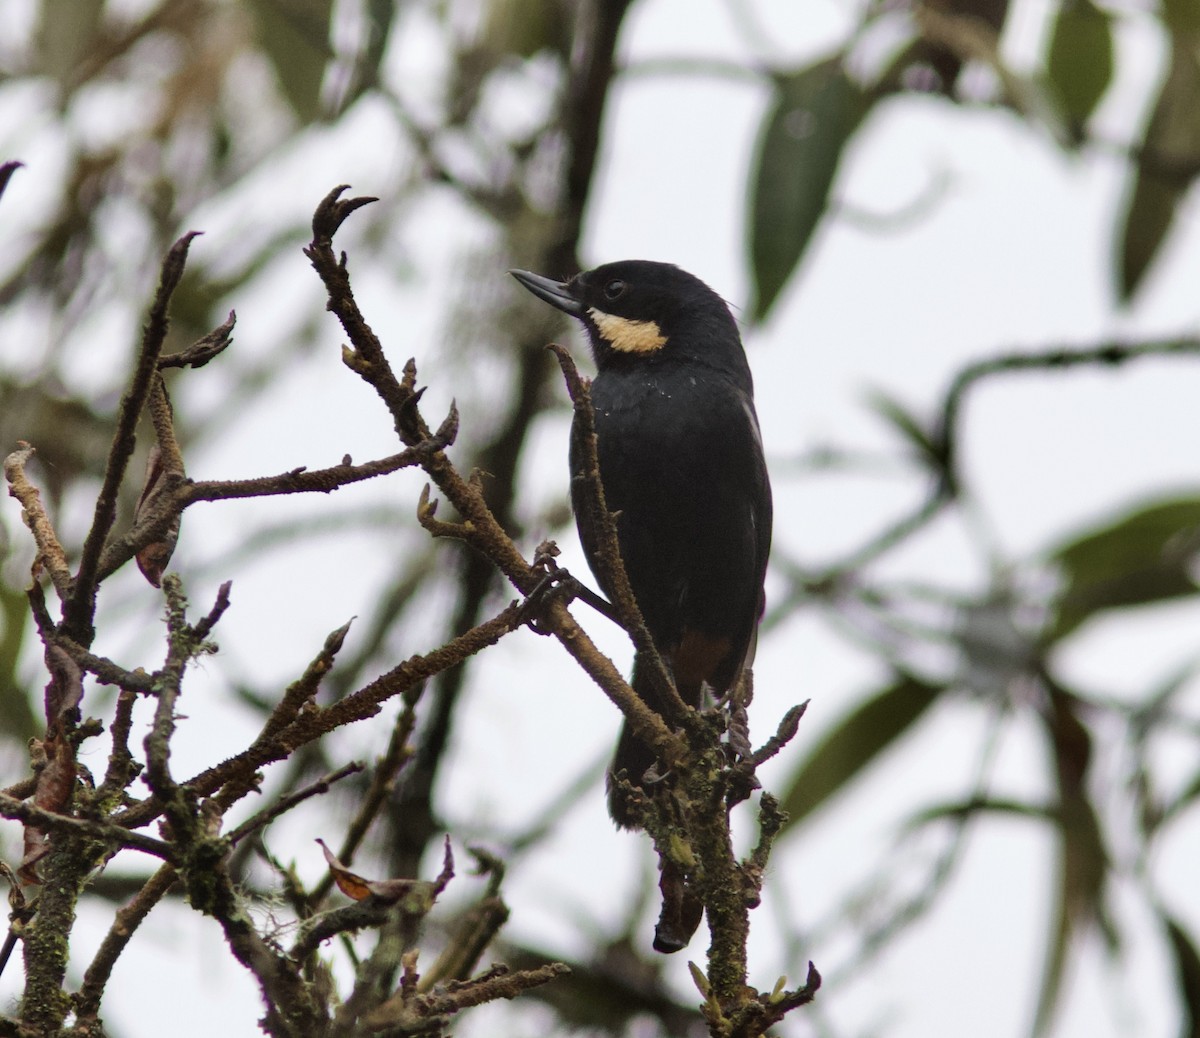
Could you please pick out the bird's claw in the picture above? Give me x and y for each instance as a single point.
(556, 582)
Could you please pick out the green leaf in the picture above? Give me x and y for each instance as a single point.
(1166, 166)
(1184, 800)
(294, 35)
(66, 29)
(1083, 860)
(816, 111)
(1187, 974)
(1155, 714)
(860, 737)
(378, 16)
(1148, 218)
(1145, 556)
(17, 720)
(1080, 61)
(1181, 16)
(909, 426)
(526, 27)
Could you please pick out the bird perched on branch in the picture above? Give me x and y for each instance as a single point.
(681, 463)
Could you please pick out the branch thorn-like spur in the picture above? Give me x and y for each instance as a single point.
(333, 211)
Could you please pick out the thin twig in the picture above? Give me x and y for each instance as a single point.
(786, 731)
(205, 627)
(600, 520)
(105, 670)
(295, 481)
(81, 604)
(1106, 354)
(299, 481)
(50, 551)
(499, 983)
(203, 349)
(382, 779)
(121, 766)
(169, 686)
(285, 804)
(125, 923)
(311, 725)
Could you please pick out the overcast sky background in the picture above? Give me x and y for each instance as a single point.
(1014, 253)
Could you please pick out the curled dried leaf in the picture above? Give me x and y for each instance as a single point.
(153, 559)
(36, 845)
(359, 888)
(56, 776)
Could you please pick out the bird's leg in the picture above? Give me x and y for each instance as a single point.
(560, 583)
(578, 589)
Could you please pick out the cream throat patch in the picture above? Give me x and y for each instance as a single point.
(628, 336)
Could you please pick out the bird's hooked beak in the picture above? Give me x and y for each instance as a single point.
(556, 293)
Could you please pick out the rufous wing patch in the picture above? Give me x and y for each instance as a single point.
(626, 335)
(698, 658)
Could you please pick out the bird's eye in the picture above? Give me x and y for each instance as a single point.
(614, 288)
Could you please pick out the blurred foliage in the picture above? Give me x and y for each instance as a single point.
(815, 112)
(1168, 163)
(1148, 556)
(873, 725)
(1079, 65)
(818, 109)
(207, 95)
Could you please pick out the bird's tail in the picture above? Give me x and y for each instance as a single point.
(681, 910)
(631, 762)
(633, 757)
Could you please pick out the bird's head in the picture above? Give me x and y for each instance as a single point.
(642, 309)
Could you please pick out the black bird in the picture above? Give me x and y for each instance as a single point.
(681, 461)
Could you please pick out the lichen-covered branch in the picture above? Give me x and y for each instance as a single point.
(102, 832)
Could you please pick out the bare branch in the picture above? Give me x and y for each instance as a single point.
(296, 481)
(51, 821)
(125, 924)
(600, 519)
(202, 350)
(497, 983)
(1106, 354)
(50, 551)
(122, 768)
(285, 804)
(106, 671)
(308, 726)
(80, 606)
(788, 726)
